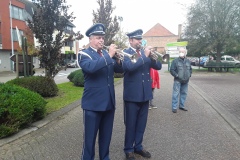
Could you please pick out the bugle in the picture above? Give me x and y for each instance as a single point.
(120, 54)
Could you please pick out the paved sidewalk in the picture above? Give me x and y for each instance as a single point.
(8, 75)
(208, 131)
(221, 91)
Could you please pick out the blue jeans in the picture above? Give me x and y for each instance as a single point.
(179, 94)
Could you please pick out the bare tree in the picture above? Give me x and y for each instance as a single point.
(212, 24)
(103, 15)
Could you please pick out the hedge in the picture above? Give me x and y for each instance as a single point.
(19, 107)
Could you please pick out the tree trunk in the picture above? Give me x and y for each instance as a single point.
(218, 58)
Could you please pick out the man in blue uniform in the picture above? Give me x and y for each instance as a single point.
(137, 93)
(98, 100)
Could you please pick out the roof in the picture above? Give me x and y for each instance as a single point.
(158, 31)
(29, 6)
(71, 24)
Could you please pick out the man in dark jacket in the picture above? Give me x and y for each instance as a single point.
(181, 70)
(98, 100)
(137, 93)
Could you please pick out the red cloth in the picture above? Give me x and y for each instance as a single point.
(155, 78)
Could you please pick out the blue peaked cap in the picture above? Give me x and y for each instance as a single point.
(136, 34)
(96, 29)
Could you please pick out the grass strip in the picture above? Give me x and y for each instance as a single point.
(67, 94)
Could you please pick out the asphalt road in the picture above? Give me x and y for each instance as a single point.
(61, 77)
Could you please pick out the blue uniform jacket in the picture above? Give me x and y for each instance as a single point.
(137, 81)
(99, 94)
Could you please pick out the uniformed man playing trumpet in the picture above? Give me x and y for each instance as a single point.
(98, 100)
(137, 93)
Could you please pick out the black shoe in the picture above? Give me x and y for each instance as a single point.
(144, 153)
(174, 111)
(130, 156)
(184, 109)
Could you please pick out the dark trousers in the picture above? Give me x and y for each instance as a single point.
(101, 123)
(135, 119)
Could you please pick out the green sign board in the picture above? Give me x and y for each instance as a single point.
(69, 52)
(178, 44)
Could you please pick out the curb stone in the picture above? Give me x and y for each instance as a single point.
(231, 120)
(41, 123)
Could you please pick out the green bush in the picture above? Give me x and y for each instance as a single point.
(118, 75)
(18, 108)
(78, 79)
(72, 74)
(44, 86)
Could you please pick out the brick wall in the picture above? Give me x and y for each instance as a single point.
(160, 42)
(5, 23)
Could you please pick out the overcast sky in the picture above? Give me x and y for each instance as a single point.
(136, 14)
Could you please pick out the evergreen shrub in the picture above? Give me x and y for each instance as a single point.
(72, 74)
(19, 107)
(78, 79)
(44, 86)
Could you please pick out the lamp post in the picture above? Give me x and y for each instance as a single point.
(12, 46)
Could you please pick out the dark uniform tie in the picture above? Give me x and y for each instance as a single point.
(138, 52)
(99, 52)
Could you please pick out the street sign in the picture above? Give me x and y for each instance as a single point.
(20, 58)
(178, 44)
(172, 48)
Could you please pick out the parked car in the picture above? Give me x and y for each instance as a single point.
(203, 60)
(230, 59)
(193, 60)
(72, 64)
(196, 61)
(227, 59)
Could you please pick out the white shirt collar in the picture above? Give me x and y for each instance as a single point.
(134, 49)
(94, 49)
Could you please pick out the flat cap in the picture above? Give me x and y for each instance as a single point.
(137, 34)
(96, 29)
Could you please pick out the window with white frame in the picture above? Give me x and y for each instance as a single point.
(69, 28)
(14, 33)
(17, 13)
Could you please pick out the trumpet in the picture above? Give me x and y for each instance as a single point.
(155, 55)
(120, 54)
